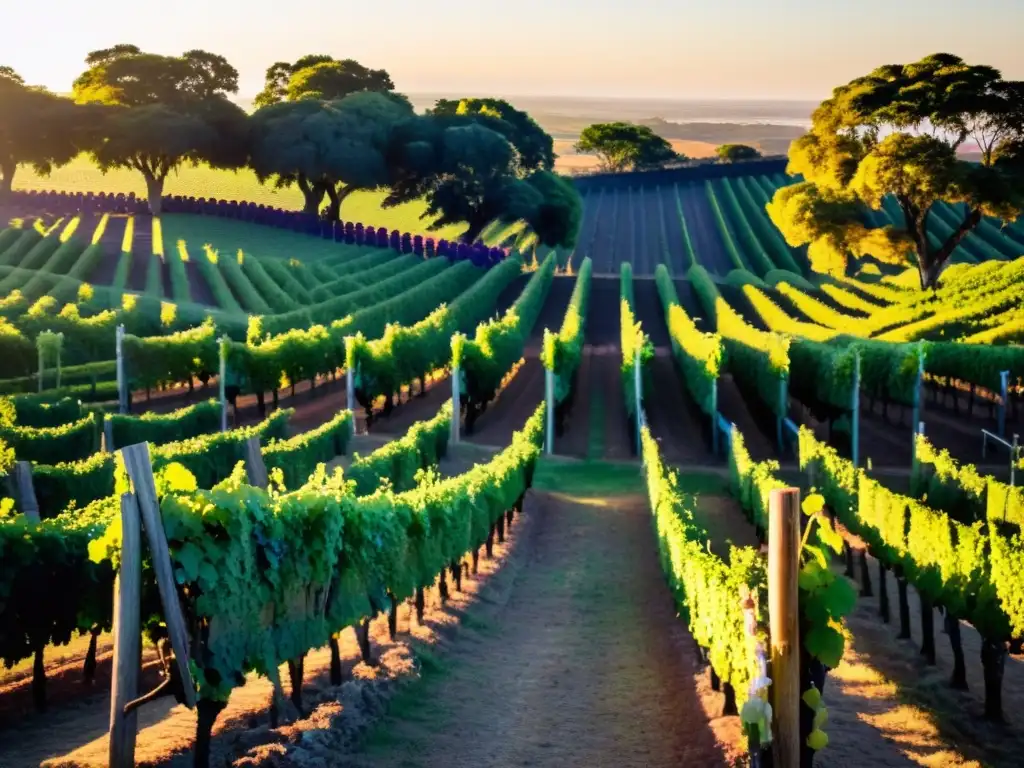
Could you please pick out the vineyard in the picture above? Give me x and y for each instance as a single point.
(280, 459)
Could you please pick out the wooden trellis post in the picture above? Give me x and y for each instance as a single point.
(784, 627)
(255, 467)
(26, 491)
(141, 506)
(127, 639)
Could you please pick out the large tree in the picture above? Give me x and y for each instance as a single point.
(327, 148)
(533, 146)
(626, 147)
(469, 172)
(156, 113)
(37, 128)
(731, 153)
(897, 131)
(321, 77)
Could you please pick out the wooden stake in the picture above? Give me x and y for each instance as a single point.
(140, 470)
(254, 466)
(783, 612)
(127, 634)
(26, 491)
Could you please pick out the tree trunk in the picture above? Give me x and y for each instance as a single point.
(337, 197)
(456, 569)
(729, 702)
(363, 636)
(312, 194)
(7, 170)
(89, 670)
(931, 263)
(393, 616)
(901, 585)
(959, 678)
(39, 680)
(442, 586)
(207, 711)
(929, 271)
(865, 575)
(993, 661)
(296, 673)
(335, 661)
(154, 193)
(927, 630)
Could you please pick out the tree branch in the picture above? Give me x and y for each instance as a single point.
(971, 220)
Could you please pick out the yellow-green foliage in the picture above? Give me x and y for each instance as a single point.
(968, 567)
(400, 461)
(708, 590)
(562, 352)
(700, 355)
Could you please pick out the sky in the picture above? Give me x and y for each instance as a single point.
(728, 49)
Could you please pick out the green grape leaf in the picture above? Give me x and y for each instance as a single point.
(828, 535)
(840, 597)
(207, 576)
(189, 557)
(825, 643)
(818, 554)
(813, 504)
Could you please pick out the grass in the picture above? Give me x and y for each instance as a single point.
(81, 175)
(228, 236)
(587, 479)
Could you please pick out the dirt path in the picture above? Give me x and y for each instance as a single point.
(515, 403)
(586, 665)
(883, 693)
(734, 409)
(683, 433)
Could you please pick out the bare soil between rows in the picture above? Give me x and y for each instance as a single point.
(585, 665)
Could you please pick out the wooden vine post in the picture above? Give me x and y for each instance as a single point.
(26, 491)
(457, 343)
(141, 506)
(549, 411)
(222, 383)
(122, 384)
(714, 416)
(784, 626)
(127, 640)
(855, 412)
(255, 467)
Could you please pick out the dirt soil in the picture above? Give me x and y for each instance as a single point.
(516, 402)
(198, 288)
(931, 723)
(734, 410)
(575, 438)
(683, 433)
(585, 665)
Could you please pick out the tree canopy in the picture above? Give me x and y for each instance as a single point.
(897, 131)
(154, 113)
(626, 147)
(533, 146)
(470, 172)
(37, 128)
(327, 148)
(731, 153)
(318, 76)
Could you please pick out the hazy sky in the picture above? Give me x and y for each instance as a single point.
(795, 49)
